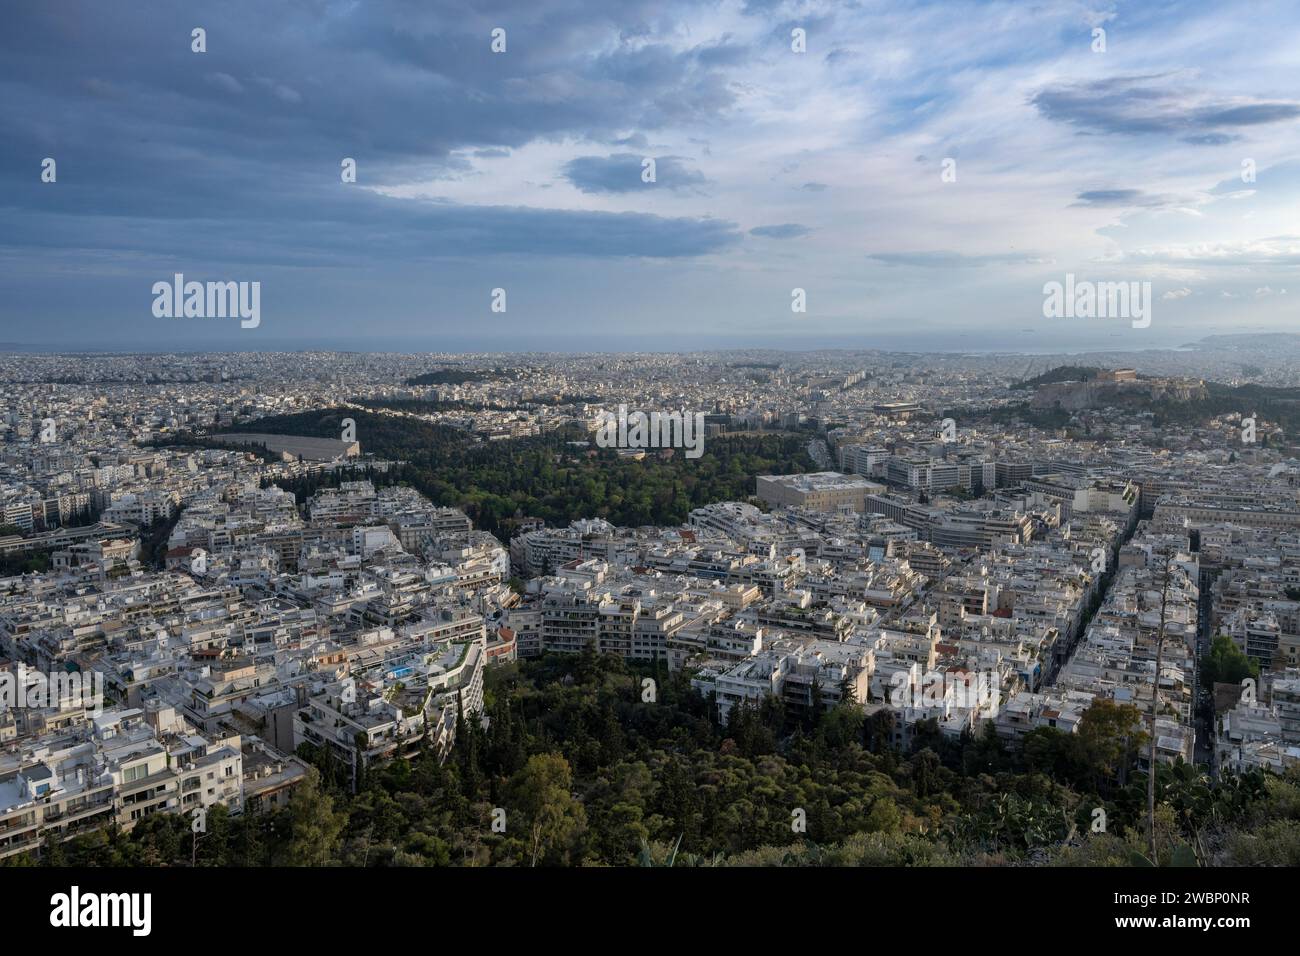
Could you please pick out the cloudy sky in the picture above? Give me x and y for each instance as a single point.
(774, 170)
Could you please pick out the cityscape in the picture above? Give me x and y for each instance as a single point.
(290, 573)
(558, 437)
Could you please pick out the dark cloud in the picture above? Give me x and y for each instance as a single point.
(1150, 104)
(372, 229)
(814, 187)
(1255, 114)
(397, 83)
(233, 155)
(1211, 139)
(1123, 198)
(622, 172)
(788, 230)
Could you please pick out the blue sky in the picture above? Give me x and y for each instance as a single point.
(522, 170)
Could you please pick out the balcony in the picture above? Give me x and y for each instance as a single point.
(31, 843)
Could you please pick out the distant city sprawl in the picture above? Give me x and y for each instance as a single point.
(243, 586)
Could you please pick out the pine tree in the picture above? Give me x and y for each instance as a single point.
(848, 691)
(314, 825)
(815, 703)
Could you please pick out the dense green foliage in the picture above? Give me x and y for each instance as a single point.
(453, 376)
(26, 562)
(1062, 373)
(1017, 415)
(549, 477)
(184, 439)
(1268, 403)
(579, 770)
(1226, 663)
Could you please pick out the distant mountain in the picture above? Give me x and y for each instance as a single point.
(1248, 340)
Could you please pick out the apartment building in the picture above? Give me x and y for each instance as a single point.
(819, 491)
(119, 768)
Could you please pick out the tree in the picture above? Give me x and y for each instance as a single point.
(883, 817)
(843, 725)
(467, 751)
(815, 703)
(553, 818)
(248, 848)
(314, 826)
(925, 770)
(1226, 664)
(848, 692)
(53, 854)
(1109, 735)
(879, 731)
